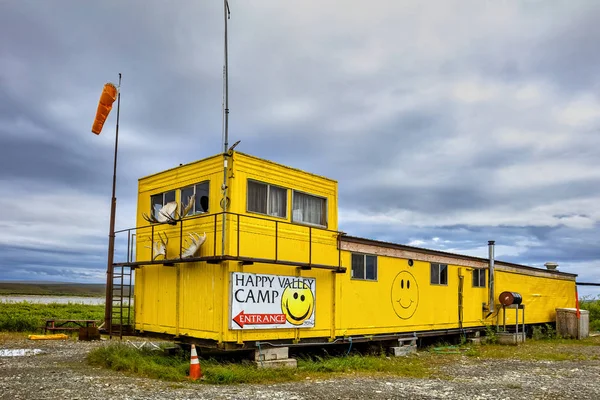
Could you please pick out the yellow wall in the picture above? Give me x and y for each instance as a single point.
(188, 304)
(365, 307)
(193, 298)
(363, 300)
(541, 296)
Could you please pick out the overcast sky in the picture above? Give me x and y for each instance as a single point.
(446, 123)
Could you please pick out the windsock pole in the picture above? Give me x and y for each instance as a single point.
(111, 234)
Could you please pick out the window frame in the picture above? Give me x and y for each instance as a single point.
(481, 273)
(181, 199)
(439, 274)
(152, 211)
(364, 278)
(326, 210)
(268, 194)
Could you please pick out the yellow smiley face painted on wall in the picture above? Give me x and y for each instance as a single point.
(405, 295)
(297, 303)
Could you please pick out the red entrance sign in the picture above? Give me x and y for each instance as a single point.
(258, 319)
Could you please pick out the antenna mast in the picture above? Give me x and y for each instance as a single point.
(227, 15)
(225, 200)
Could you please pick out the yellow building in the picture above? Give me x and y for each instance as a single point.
(261, 259)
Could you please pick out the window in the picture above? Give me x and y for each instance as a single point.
(479, 278)
(157, 201)
(267, 199)
(439, 274)
(200, 201)
(309, 209)
(364, 267)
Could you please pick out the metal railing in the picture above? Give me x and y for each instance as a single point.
(241, 228)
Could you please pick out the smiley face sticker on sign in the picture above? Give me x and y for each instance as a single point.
(405, 295)
(297, 302)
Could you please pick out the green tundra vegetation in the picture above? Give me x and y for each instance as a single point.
(31, 317)
(593, 306)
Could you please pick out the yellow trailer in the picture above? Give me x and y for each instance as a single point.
(233, 250)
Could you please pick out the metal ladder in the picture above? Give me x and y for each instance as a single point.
(121, 301)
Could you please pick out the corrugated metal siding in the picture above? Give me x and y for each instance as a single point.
(201, 297)
(541, 296)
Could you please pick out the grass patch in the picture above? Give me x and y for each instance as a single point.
(245, 372)
(11, 337)
(544, 332)
(538, 350)
(411, 366)
(157, 364)
(30, 317)
(120, 357)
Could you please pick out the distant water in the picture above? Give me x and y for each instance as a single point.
(51, 299)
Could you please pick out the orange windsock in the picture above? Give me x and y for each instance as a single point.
(107, 98)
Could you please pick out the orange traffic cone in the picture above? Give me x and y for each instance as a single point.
(195, 371)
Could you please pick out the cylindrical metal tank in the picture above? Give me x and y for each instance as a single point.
(510, 298)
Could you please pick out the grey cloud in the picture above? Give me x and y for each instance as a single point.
(535, 245)
(569, 55)
(363, 97)
(46, 161)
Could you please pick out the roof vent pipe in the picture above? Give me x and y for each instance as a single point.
(491, 299)
(551, 266)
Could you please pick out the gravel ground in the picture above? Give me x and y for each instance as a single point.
(62, 373)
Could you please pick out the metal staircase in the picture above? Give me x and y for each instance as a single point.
(121, 296)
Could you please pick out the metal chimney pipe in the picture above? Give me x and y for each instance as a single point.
(491, 300)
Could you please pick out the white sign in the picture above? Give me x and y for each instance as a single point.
(261, 301)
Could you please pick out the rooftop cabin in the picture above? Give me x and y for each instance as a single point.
(275, 214)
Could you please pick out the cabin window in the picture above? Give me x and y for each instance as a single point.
(479, 278)
(309, 209)
(364, 267)
(439, 274)
(201, 200)
(157, 201)
(267, 199)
